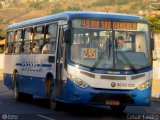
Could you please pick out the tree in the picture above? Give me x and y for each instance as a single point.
(154, 23)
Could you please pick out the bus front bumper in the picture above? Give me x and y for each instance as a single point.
(89, 95)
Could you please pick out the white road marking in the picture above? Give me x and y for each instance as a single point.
(45, 117)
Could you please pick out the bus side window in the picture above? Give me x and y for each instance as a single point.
(28, 37)
(17, 41)
(9, 43)
(51, 39)
(38, 39)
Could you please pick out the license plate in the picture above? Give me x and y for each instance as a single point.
(112, 102)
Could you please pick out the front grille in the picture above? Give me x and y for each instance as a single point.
(137, 76)
(88, 74)
(102, 97)
(112, 89)
(113, 77)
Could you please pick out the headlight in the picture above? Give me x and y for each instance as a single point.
(145, 85)
(78, 81)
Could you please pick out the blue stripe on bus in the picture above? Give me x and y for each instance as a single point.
(18, 64)
(46, 65)
(38, 65)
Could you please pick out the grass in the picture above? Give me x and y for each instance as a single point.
(110, 2)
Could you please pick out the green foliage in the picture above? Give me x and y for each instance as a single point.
(54, 11)
(74, 8)
(36, 5)
(157, 6)
(110, 2)
(57, 8)
(154, 22)
(2, 34)
(1, 48)
(1, 19)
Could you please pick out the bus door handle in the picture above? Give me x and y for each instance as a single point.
(51, 59)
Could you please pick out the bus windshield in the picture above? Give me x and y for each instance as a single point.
(118, 45)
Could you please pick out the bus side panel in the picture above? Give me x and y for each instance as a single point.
(9, 67)
(39, 87)
(8, 81)
(25, 84)
(32, 85)
(142, 98)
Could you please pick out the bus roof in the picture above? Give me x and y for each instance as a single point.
(77, 14)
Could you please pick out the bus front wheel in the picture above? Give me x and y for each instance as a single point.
(118, 109)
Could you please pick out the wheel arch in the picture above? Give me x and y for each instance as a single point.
(15, 71)
(48, 81)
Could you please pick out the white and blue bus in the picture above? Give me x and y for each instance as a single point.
(74, 57)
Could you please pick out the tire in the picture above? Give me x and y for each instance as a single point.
(52, 100)
(118, 109)
(16, 94)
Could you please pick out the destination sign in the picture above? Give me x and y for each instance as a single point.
(87, 23)
(104, 24)
(125, 25)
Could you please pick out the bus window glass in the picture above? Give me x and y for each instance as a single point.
(133, 49)
(9, 43)
(88, 45)
(17, 41)
(94, 45)
(51, 39)
(28, 37)
(38, 39)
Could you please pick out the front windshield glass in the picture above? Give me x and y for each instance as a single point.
(123, 46)
(88, 45)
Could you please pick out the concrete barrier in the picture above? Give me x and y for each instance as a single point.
(1, 74)
(1, 61)
(156, 79)
(1, 66)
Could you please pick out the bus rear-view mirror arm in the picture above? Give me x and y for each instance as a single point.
(67, 34)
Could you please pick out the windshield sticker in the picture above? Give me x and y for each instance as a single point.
(89, 53)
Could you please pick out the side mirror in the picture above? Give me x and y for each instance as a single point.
(51, 59)
(67, 36)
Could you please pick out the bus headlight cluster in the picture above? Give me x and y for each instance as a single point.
(145, 85)
(78, 81)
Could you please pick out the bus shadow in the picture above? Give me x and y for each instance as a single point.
(92, 111)
(37, 102)
(78, 110)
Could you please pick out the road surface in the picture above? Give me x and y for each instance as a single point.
(39, 110)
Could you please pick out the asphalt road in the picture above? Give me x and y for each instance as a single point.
(39, 110)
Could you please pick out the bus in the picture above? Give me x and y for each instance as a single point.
(74, 57)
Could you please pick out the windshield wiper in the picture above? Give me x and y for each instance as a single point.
(127, 60)
(102, 56)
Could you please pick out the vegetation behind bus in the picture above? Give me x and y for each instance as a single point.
(16, 11)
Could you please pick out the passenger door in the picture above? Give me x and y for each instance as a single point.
(60, 69)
